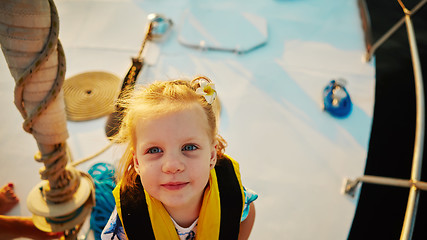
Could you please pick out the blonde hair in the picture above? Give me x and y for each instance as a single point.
(156, 99)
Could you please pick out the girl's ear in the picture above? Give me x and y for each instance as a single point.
(135, 162)
(213, 157)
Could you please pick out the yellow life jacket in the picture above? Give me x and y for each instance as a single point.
(144, 217)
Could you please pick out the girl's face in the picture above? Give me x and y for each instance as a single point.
(174, 155)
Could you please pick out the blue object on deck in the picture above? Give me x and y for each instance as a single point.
(336, 99)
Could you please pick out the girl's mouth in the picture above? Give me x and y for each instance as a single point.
(174, 185)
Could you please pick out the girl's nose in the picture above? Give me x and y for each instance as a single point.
(172, 163)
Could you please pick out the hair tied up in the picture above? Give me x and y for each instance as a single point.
(205, 88)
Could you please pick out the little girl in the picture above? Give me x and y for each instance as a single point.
(175, 182)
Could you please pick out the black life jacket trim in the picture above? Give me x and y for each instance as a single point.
(135, 213)
(230, 196)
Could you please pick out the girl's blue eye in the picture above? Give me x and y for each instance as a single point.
(189, 147)
(154, 150)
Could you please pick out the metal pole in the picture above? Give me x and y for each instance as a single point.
(370, 52)
(409, 221)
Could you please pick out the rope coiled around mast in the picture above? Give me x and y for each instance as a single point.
(29, 40)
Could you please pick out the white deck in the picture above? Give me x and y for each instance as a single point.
(293, 154)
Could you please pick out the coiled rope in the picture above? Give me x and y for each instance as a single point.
(29, 40)
(103, 176)
(90, 95)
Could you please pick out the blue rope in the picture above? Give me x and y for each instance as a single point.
(103, 177)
